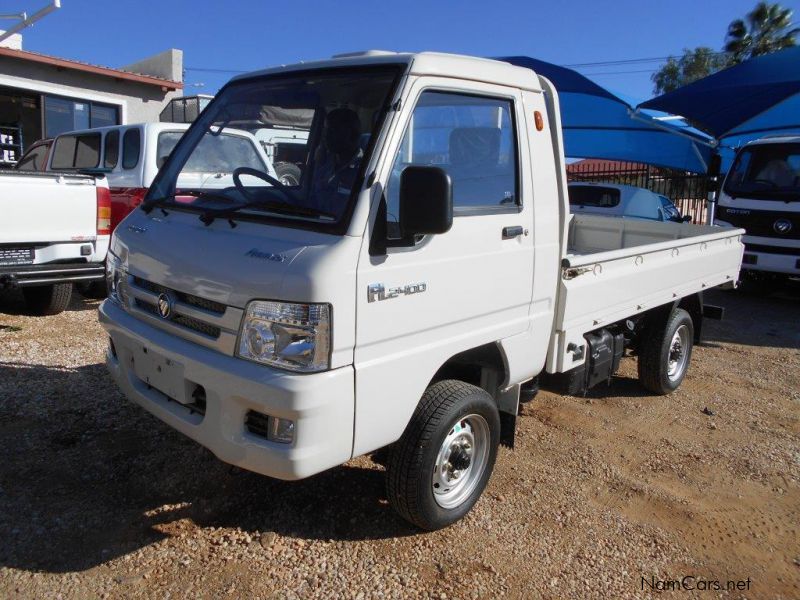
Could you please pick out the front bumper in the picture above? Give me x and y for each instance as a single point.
(47, 274)
(321, 404)
(772, 259)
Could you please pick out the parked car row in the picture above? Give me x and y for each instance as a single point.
(47, 200)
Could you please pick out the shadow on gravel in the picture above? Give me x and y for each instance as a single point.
(87, 476)
(768, 319)
(13, 303)
(620, 387)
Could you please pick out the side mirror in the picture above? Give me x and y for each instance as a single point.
(686, 218)
(426, 201)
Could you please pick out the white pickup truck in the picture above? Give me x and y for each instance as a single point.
(406, 293)
(54, 232)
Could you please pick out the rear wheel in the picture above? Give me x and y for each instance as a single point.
(47, 299)
(665, 352)
(442, 463)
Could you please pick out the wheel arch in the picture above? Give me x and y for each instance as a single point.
(483, 366)
(486, 367)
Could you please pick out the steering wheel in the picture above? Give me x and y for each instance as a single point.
(237, 181)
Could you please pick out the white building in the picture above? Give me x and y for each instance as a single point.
(42, 96)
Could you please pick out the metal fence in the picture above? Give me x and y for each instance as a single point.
(689, 191)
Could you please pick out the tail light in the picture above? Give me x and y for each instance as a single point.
(103, 210)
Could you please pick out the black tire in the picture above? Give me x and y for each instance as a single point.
(288, 173)
(95, 290)
(47, 299)
(657, 351)
(443, 409)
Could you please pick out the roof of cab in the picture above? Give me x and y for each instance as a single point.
(422, 63)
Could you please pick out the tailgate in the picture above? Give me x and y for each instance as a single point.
(47, 208)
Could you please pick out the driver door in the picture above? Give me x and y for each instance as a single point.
(454, 291)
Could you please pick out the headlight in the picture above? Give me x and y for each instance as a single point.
(296, 337)
(116, 279)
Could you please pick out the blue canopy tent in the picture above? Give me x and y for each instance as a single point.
(751, 98)
(598, 124)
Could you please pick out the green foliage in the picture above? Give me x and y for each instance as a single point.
(765, 29)
(693, 65)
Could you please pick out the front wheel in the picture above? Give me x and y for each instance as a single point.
(442, 463)
(665, 353)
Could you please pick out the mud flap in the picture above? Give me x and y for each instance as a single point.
(508, 405)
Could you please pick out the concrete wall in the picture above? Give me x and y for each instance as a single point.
(138, 102)
(13, 41)
(167, 65)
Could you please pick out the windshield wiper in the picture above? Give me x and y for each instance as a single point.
(208, 216)
(170, 200)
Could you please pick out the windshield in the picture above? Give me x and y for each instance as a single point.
(766, 171)
(215, 154)
(232, 155)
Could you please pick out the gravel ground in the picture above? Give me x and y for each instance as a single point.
(99, 499)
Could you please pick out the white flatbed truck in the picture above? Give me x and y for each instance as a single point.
(404, 295)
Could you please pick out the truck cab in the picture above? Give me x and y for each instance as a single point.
(422, 276)
(761, 194)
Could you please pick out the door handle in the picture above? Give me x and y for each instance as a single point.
(512, 232)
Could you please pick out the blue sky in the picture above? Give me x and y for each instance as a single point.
(247, 35)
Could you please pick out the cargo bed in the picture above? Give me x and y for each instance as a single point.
(615, 268)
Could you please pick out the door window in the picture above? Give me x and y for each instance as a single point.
(473, 139)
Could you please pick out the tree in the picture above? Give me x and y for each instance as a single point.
(693, 65)
(765, 29)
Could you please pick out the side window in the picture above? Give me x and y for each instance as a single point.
(87, 151)
(76, 152)
(33, 160)
(470, 137)
(670, 210)
(111, 149)
(131, 148)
